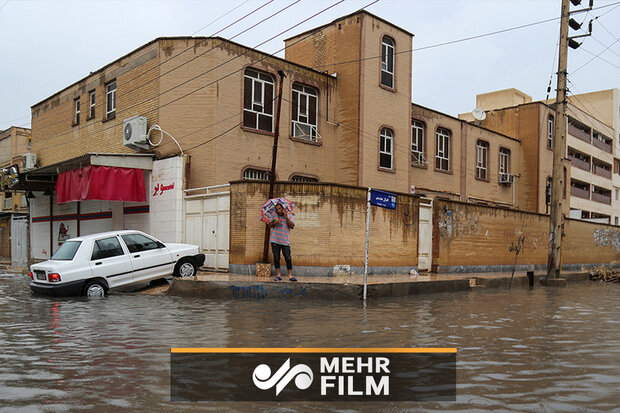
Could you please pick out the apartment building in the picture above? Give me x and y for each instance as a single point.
(14, 158)
(189, 113)
(589, 160)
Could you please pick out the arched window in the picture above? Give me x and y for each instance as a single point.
(387, 62)
(482, 159)
(256, 174)
(417, 143)
(258, 100)
(386, 148)
(442, 149)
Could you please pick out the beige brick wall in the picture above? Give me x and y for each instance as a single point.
(330, 226)
(55, 137)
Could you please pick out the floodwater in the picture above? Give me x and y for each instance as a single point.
(546, 349)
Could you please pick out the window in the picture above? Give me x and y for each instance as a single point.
(106, 248)
(66, 251)
(504, 161)
(76, 117)
(386, 148)
(387, 62)
(302, 178)
(417, 143)
(305, 109)
(617, 166)
(442, 150)
(258, 101)
(616, 221)
(256, 175)
(8, 200)
(110, 100)
(550, 128)
(91, 101)
(617, 192)
(548, 191)
(138, 242)
(482, 159)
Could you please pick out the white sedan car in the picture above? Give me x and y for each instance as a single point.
(93, 264)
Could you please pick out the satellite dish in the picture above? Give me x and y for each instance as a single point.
(479, 114)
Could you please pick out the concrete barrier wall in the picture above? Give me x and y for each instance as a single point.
(330, 229)
(470, 237)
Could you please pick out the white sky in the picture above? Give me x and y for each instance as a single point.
(47, 45)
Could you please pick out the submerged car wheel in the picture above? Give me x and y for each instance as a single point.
(185, 268)
(95, 289)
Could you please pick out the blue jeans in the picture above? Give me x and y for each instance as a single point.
(286, 251)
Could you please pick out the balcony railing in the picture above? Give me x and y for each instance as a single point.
(602, 145)
(579, 163)
(605, 199)
(579, 193)
(578, 133)
(601, 171)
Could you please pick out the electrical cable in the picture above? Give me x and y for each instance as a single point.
(222, 16)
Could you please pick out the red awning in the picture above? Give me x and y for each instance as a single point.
(101, 182)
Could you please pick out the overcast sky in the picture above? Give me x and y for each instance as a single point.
(47, 45)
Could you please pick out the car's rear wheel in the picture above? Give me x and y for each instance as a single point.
(185, 268)
(95, 289)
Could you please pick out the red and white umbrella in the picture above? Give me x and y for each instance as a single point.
(268, 210)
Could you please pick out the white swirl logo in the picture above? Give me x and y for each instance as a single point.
(264, 380)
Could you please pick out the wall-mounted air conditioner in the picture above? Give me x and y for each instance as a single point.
(134, 133)
(29, 161)
(506, 179)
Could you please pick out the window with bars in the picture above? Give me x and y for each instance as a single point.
(302, 178)
(258, 100)
(417, 143)
(76, 115)
(387, 62)
(91, 101)
(442, 150)
(504, 161)
(305, 109)
(110, 100)
(482, 159)
(550, 128)
(386, 148)
(256, 175)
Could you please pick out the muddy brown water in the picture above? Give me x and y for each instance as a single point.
(536, 350)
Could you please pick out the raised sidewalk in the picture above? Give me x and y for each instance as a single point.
(234, 286)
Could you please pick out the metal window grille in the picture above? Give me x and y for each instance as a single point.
(301, 178)
(258, 101)
(256, 175)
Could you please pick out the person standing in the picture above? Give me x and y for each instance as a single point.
(281, 226)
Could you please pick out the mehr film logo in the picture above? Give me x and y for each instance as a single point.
(313, 374)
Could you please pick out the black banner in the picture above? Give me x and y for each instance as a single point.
(313, 376)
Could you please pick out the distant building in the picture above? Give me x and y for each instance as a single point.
(591, 167)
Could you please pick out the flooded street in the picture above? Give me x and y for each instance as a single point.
(523, 350)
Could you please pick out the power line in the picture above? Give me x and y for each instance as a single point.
(1, 7)
(598, 56)
(200, 88)
(222, 16)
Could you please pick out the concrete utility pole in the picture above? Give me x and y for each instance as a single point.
(556, 217)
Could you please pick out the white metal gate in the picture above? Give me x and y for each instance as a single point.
(19, 241)
(207, 223)
(425, 235)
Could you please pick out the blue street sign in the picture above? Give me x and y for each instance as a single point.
(382, 199)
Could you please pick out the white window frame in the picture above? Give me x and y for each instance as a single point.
(504, 160)
(386, 146)
(303, 128)
(92, 99)
(76, 116)
(387, 59)
(417, 143)
(110, 99)
(482, 159)
(442, 152)
(259, 106)
(550, 130)
(256, 174)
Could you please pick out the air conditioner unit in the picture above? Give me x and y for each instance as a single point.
(29, 161)
(506, 179)
(134, 133)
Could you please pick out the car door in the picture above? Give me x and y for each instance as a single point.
(150, 259)
(109, 261)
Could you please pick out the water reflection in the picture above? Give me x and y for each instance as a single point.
(523, 350)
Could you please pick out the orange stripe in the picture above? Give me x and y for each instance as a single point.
(312, 350)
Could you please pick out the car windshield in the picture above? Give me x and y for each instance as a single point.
(67, 251)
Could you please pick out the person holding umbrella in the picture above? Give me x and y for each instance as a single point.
(281, 225)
